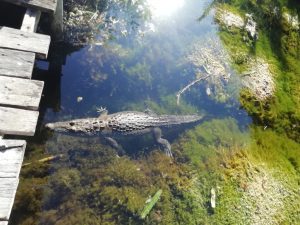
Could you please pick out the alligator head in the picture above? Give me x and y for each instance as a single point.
(87, 126)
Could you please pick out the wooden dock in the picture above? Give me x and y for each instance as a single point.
(19, 95)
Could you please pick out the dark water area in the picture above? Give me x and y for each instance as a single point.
(7, 18)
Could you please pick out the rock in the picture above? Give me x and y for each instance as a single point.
(250, 27)
(291, 20)
(259, 80)
(229, 19)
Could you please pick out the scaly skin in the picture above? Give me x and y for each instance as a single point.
(125, 123)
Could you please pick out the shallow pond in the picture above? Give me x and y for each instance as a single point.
(142, 55)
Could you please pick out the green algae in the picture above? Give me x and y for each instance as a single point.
(93, 186)
(233, 164)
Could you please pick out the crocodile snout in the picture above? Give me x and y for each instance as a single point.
(50, 126)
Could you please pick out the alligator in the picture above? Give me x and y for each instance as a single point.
(125, 123)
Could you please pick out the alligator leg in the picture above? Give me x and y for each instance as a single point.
(114, 144)
(163, 142)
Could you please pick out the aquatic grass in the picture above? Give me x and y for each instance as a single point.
(232, 165)
(275, 150)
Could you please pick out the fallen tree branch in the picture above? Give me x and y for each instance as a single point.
(47, 159)
(180, 92)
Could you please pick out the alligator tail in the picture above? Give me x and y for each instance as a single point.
(168, 120)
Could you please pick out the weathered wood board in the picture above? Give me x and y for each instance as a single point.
(20, 93)
(31, 20)
(16, 63)
(18, 121)
(24, 41)
(43, 5)
(57, 24)
(8, 188)
(11, 159)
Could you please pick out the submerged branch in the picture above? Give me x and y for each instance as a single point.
(207, 10)
(47, 159)
(180, 92)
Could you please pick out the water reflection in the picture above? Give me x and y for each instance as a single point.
(162, 9)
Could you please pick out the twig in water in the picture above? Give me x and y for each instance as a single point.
(47, 159)
(180, 92)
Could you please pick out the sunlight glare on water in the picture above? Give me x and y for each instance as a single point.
(165, 8)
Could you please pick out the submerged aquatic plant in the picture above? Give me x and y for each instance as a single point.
(149, 205)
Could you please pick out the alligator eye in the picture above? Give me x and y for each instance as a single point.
(72, 124)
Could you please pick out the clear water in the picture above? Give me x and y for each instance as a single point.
(142, 66)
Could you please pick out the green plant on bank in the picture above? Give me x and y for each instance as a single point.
(278, 43)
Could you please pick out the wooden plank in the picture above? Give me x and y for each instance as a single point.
(31, 20)
(43, 5)
(20, 93)
(11, 158)
(8, 188)
(16, 63)
(18, 121)
(24, 41)
(57, 25)
(2, 143)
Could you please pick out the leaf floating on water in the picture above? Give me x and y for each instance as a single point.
(150, 204)
(208, 92)
(79, 99)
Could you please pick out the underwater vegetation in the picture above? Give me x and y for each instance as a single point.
(256, 180)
